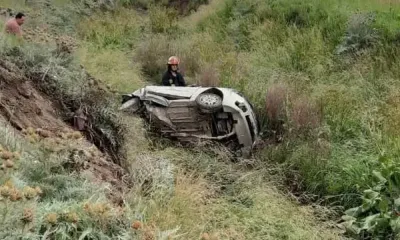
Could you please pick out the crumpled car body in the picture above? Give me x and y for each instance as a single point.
(193, 113)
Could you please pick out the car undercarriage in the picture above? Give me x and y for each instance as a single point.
(192, 115)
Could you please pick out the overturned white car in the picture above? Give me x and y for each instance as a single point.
(190, 113)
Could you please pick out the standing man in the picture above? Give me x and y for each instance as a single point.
(172, 77)
(13, 25)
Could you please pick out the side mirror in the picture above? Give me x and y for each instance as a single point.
(125, 98)
(133, 104)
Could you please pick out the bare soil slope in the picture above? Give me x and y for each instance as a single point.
(27, 109)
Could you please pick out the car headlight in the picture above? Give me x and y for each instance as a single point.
(241, 105)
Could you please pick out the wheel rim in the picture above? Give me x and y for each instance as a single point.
(209, 100)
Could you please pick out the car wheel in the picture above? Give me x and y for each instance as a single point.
(209, 102)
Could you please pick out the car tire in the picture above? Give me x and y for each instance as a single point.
(209, 102)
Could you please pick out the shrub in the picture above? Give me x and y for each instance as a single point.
(208, 77)
(305, 116)
(41, 197)
(360, 34)
(153, 55)
(378, 216)
(276, 108)
(162, 19)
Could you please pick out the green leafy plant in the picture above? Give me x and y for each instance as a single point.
(360, 34)
(379, 214)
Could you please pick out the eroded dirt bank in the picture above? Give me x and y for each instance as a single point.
(39, 118)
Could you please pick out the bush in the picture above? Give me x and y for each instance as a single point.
(162, 20)
(208, 77)
(360, 34)
(153, 55)
(378, 216)
(276, 108)
(305, 116)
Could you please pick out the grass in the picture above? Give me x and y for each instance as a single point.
(113, 66)
(254, 45)
(38, 186)
(271, 44)
(163, 202)
(13, 4)
(294, 43)
(221, 200)
(340, 110)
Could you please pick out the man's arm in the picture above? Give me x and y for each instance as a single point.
(181, 80)
(165, 80)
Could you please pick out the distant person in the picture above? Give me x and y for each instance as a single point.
(13, 25)
(172, 77)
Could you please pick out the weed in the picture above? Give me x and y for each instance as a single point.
(208, 77)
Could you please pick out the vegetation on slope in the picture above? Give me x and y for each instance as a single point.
(184, 194)
(176, 193)
(327, 69)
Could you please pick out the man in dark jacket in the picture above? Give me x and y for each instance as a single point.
(172, 77)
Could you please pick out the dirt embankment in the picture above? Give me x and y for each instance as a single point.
(28, 109)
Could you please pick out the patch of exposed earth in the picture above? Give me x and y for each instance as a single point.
(38, 118)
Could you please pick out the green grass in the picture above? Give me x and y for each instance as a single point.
(62, 192)
(112, 66)
(293, 42)
(254, 46)
(176, 192)
(247, 207)
(13, 4)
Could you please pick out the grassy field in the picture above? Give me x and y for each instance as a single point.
(329, 69)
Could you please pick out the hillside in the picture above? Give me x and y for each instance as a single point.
(327, 70)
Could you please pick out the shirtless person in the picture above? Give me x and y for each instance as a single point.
(13, 26)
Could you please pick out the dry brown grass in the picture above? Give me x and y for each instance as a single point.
(390, 2)
(276, 101)
(275, 106)
(391, 113)
(208, 77)
(299, 112)
(305, 114)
